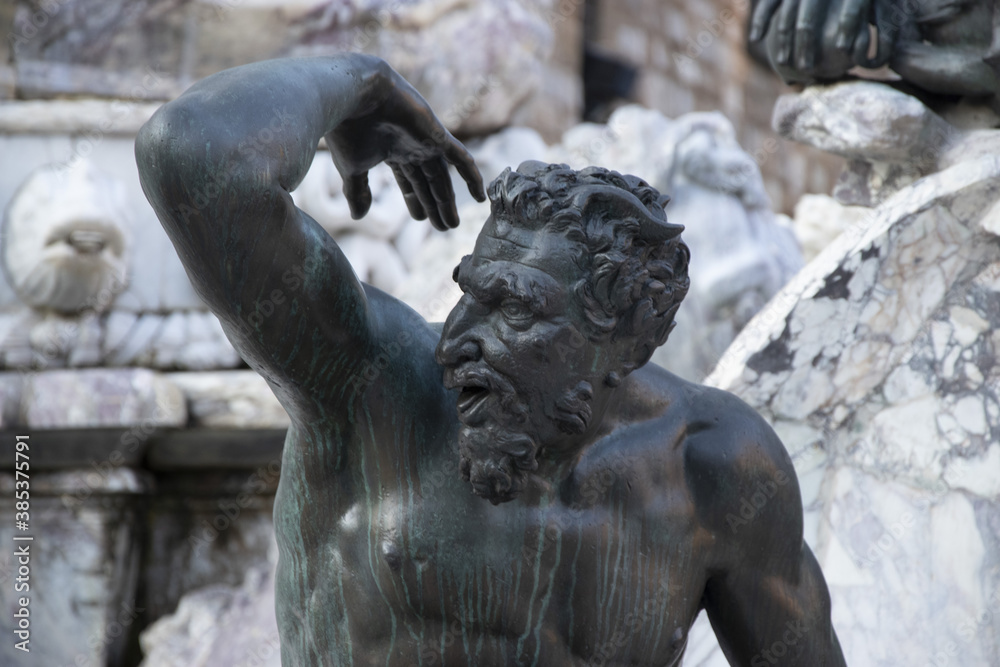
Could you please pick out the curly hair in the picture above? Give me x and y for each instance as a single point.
(634, 261)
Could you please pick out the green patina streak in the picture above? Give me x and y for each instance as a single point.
(547, 598)
(373, 526)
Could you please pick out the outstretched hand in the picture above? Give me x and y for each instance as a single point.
(398, 127)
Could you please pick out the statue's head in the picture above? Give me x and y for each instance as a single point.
(65, 237)
(574, 282)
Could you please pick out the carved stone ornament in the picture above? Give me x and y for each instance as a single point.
(66, 239)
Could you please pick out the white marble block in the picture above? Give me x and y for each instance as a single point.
(877, 367)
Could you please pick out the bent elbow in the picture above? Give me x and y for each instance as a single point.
(161, 148)
(174, 152)
(171, 144)
(150, 139)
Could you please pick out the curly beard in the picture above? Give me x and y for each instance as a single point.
(497, 455)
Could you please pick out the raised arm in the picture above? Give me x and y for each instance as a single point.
(218, 164)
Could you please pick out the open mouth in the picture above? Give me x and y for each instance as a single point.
(87, 241)
(471, 398)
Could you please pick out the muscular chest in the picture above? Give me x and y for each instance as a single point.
(595, 579)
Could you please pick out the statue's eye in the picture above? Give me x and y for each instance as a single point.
(515, 310)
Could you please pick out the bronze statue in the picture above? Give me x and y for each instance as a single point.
(947, 47)
(622, 500)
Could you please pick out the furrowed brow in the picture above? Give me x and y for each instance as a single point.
(523, 289)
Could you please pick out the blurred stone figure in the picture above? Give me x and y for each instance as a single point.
(66, 239)
(66, 252)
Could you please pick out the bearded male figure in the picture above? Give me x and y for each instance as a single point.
(614, 488)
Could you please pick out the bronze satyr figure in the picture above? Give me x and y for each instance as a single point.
(517, 488)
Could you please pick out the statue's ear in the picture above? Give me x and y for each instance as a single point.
(638, 353)
(638, 356)
(634, 354)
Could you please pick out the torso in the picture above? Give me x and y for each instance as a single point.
(407, 567)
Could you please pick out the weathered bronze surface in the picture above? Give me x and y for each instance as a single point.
(949, 47)
(617, 501)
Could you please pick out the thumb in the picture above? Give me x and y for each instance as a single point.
(359, 195)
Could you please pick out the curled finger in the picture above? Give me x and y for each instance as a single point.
(464, 163)
(853, 16)
(358, 194)
(762, 14)
(436, 173)
(422, 191)
(413, 204)
(785, 32)
(807, 25)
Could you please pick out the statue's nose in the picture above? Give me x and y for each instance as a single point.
(456, 351)
(459, 342)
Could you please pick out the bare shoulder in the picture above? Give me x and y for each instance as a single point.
(712, 455)
(738, 475)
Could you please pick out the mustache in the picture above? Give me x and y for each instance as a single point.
(572, 409)
(477, 375)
